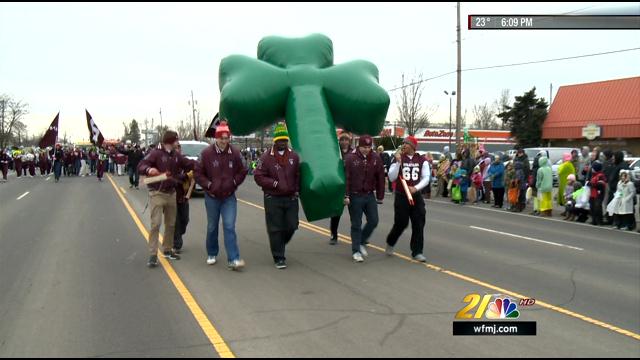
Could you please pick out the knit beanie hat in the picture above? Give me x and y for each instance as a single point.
(280, 132)
(597, 166)
(411, 141)
(365, 140)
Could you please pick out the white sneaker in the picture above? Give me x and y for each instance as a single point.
(420, 258)
(389, 250)
(236, 265)
(357, 257)
(211, 260)
(363, 251)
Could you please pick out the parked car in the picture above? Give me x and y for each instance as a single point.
(192, 150)
(634, 166)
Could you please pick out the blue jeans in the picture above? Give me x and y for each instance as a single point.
(362, 204)
(57, 168)
(134, 177)
(228, 209)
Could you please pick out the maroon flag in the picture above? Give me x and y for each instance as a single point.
(95, 136)
(211, 131)
(50, 137)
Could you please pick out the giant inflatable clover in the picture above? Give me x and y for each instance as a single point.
(295, 79)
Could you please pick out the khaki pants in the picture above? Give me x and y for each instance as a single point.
(162, 203)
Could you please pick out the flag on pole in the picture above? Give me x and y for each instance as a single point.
(211, 131)
(50, 137)
(94, 133)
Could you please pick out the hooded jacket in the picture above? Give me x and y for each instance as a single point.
(544, 178)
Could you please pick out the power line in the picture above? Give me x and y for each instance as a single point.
(550, 60)
(517, 64)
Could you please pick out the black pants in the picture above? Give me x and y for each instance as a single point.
(522, 199)
(624, 221)
(596, 210)
(581, 214)
(498, 196)
(403, 212)
(335, 222)
(281, 216)
(182, 220)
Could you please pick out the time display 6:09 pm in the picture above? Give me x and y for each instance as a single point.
(516, 22)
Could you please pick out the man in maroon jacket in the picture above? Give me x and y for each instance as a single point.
(4, 164)
(278, 173)
(162, 194)
(43, 161)
(345, 149)
(364, 174)
(185, 179)
(220, 172)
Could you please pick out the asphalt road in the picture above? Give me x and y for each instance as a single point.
(74, 283)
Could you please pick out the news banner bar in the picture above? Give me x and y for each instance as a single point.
(554, 22)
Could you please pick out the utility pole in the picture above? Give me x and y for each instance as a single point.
(193, 110)
(146, 132)
(160, 117)
(458, 90)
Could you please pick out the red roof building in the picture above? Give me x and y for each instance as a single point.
(604, 113)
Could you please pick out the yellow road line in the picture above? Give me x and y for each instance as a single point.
(121, 188)
(346, 239)
(203, 321)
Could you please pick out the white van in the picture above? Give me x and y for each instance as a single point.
(555, 157)
(192, 150)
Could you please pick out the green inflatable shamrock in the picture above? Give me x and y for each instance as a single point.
(295, 79)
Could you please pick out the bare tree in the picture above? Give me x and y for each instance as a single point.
(4, 128)
(484, 117)
(411, 114)
(11, 125)
(501, 104)
(160, 130)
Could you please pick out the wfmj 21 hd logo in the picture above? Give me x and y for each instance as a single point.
(501, 308)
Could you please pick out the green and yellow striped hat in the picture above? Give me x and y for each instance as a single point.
(280, 132)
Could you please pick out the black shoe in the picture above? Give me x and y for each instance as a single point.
(153, 261)
(333, 240)
(130, 186)
(177, 251)
(281, 264)
(171, 255)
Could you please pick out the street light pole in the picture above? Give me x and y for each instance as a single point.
(453, 93)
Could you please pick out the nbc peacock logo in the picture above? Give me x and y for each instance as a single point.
(502, 309)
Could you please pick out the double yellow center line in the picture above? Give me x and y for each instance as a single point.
(203, 321)
(223, 349)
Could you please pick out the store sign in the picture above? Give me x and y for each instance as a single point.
(591, 131)
(438, 133)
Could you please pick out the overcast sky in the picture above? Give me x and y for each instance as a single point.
(124, 61)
